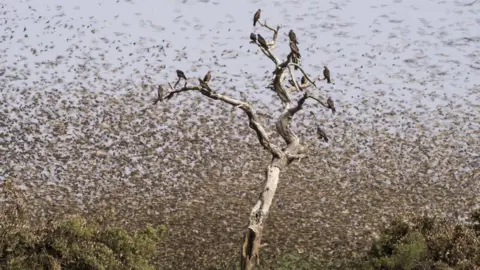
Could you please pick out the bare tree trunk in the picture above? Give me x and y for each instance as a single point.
(281, 157)
(253, 235)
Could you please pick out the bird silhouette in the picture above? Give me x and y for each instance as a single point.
(303, 80)
(326, 74)
(292, 36)
(180, 76)
(253, 37)
(256, 17)
(321, 134)
(331, 105)
(294, 49)
(262, 41)
(207, 77)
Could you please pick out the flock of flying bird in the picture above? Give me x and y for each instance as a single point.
(294, 56)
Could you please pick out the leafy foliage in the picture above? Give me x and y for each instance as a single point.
(78, 244)
(426, 243)
(73, 243)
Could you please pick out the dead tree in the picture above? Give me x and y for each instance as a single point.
(281, 156)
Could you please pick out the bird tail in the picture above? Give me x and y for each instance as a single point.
(328, 80)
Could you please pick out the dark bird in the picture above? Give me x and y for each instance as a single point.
(256, 17)
(292, 36)
(253, 37)
(160, 91)
(330, 104)
(294, 49)
(304, 80)
(262, 41)
(326, 74)
(321, 134)
(291, 82)
(180, 76)
(207, 77)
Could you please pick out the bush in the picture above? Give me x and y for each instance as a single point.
(426, 243)
(74, 243)
(78, 244)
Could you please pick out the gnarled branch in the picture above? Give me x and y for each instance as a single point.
(254, 121)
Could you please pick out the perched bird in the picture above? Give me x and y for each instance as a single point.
(326, 74)
(256, 17)
(203, 84)
(321, 134)
(180, 76)
(292, 36)
(291, 82)
(253, 37)
(294, 49)
(330, 104)
(207, 77)
(304, 80)
(160, 91)
(262, 41)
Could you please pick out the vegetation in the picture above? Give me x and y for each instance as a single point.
(421, 243)
(73, 243)
(78, 243)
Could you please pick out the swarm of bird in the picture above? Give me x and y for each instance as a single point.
(78, 132)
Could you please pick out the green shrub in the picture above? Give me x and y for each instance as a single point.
(73, 243)
(425, 243)
(78, 244)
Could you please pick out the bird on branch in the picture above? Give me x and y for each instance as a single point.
(304, 80)
(262, 41)
(180, 76)
(331, 105)
(291, 82)
(292, 36)
(326, 74)
(160, 91)
(253, 38)
(294, 49)
(204, 85)
(321, 134)
(207, 77)
(256, 17)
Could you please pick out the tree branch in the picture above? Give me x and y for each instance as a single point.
(275, 33)
(304, 73)
(293, 78)
(254, 121)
